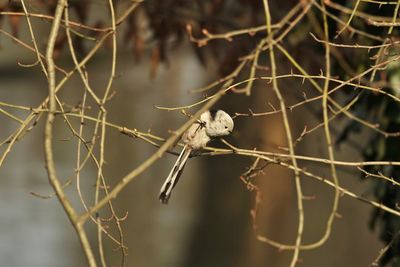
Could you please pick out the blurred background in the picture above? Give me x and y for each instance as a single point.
(207, 221)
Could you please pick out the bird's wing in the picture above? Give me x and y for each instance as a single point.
(173, 176)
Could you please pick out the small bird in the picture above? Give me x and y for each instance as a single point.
(211, 124)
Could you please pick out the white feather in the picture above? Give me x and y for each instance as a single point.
(210, 125)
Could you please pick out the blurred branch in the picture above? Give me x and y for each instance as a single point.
(360, 60)
(385, 249)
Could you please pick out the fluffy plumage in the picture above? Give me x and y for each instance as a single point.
(211, 124)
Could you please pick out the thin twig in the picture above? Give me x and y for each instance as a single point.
(48, 136)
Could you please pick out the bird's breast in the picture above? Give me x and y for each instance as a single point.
(196, 137)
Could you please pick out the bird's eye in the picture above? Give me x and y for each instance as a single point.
(226, 127)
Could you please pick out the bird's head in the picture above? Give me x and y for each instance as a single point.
(218, 123)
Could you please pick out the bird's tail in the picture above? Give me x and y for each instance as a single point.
(173, 176)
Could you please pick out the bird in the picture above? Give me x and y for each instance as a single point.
(211, 124)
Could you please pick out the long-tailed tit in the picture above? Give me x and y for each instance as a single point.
(211, 124)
